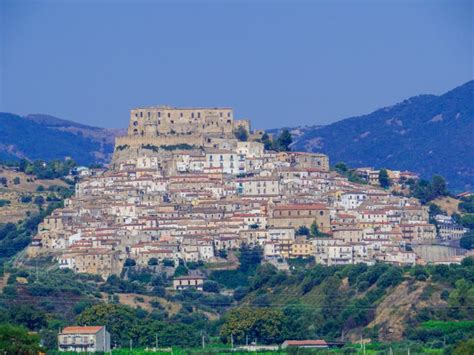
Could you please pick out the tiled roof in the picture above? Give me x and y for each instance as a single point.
(82, 330)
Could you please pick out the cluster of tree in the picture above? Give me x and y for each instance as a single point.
(384, 179)
(349, 173)
(17, 340)
(4, 202)
(339, 308)
(280, 144)
(427, 191)
(466, 220)
(467, 241)
(467, 205)
(268, 305)
(142, 328)
(42, 169)
(249, 259)
(16, 236)
(312, 231)
(241, 134)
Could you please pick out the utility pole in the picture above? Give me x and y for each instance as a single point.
(247, 340)
(156, 342)
(202, 340)
(37, 270)
(232, 340)
(131, 346)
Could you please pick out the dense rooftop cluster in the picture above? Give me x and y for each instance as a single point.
(199, 203)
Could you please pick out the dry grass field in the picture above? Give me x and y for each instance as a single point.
(27, 185)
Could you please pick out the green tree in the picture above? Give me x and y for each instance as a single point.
(341, 168)
(129, 262)
(39, 201)
(210, 286)
(467, 205)
(17, 340)
(467, 241)
(261, 324)
(464, 348)
(181, 270)
(438, 186)
(120, 320)
(153, 261)
(168, 262)
(314, 231)
(241, 134)
(267, 142)
(303, 230)
(249, 258)
(467, 221)
(4, 202)
(384, 179)
(284, 141)
(25, 315)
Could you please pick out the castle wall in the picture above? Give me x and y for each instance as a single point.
(164, 120)
(158, 141)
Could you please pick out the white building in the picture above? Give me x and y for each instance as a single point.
(84, 339)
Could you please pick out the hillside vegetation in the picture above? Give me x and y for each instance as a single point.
(256, 302)
(427, 134)
(47, 138)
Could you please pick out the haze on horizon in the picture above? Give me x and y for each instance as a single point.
(277, 63)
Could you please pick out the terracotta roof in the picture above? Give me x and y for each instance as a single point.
(82, 330)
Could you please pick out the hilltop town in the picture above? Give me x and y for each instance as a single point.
(193, 184)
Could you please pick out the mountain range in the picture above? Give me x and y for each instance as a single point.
(46, 137)
(427, 134)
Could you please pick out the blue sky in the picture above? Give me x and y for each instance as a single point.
(279, 63)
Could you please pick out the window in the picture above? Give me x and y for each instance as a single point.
(192, 115)
(169, 114)
(199, 114)
(180, 114)
(220, 114)
(141, 114)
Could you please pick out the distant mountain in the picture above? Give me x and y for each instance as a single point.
(427, 134)
(47, 137)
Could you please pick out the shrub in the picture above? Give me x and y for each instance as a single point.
(210, 286)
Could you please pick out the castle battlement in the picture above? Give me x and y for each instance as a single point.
(159, 126)
(164, 120)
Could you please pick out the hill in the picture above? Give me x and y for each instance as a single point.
(427, 134)
(47, 138)
(385, 304)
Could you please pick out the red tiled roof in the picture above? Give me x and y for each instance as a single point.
(82, 330)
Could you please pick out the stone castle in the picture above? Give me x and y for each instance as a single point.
(165, 126)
